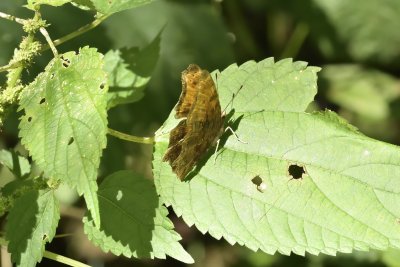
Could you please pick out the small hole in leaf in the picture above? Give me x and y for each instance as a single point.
(44, 237)
(258, 181)
(296, 171)
(70, 141)
(52, 76)
(102, 86)
(29, 119)
(42, 100)
(66, 63)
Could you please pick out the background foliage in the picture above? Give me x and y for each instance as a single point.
(356, 43)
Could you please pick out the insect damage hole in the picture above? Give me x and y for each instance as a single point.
(42, 100)
(66, 62)
(258, 181)
(102, 86)
(70, 141)
(296, 171)
(29, 119)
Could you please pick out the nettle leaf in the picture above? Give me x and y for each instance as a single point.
(326, 187)
(134, 223)
(17, 164)
(367, 92)
(129, 71)
(31, 223)
(108, 7)
(65, 123)
(33, 3)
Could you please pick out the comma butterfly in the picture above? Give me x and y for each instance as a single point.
(202, 124)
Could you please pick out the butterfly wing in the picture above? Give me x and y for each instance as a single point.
(203, 125)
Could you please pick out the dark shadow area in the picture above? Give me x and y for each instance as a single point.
(128, 204)
(21, 223)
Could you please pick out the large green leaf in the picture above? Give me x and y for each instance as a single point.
(108, 7)
(65, 122)
(129, 71)
(348, 198)
(31, 223)
(134, 223)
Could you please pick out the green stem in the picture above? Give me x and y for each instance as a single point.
(49, 41)
(296, 41)
(10, 66)
(131, 138)
(14, 75)
(12, 18)
(62, 259)
(76, 33)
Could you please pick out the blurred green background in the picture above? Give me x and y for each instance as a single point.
(357, 44)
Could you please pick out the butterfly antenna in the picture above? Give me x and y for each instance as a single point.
(232, 98)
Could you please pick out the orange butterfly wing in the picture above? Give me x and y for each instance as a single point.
(203, 123)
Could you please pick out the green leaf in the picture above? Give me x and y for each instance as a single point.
(108, 7)
(134, 223)
(366, 92)
(346, 27)
(391, 258)
(65, 123)
(83, 4)
(348, 198)
(31, 223)
(16, 186)
(17, 164)
(33, 3)
(129, 71)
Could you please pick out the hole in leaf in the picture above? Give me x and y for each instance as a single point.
(70, 141)
(29, 119)
(44, 237)
(66, 63)
(42, 100)
(258, 181)
(296, 171)
(52, 76)
(102, 86)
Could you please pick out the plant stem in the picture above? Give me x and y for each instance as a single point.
(49, 41)
(10, 66)
(296, 40)
(57, 42)
(76, 33)
(12, 18)
(131, 138)
(62, 259)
